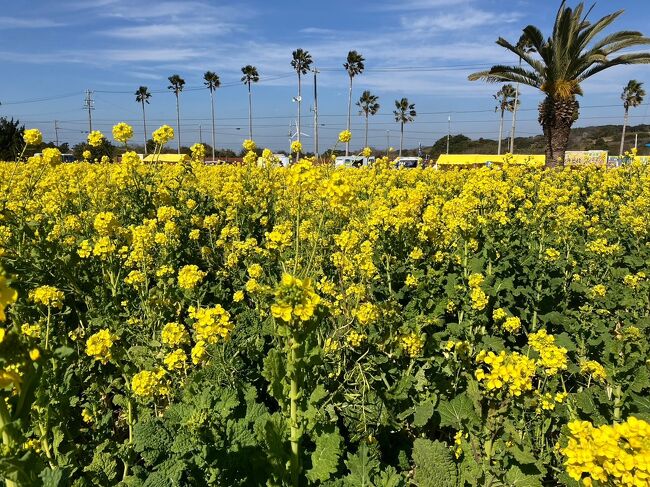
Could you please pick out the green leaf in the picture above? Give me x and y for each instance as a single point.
(361, 466)
(434, 466)
(389, 477)
(423, 413)
(325, 458)
(454, 412)
(516, 478)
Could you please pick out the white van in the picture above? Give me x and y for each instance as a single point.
(408, 162)
(353, 161)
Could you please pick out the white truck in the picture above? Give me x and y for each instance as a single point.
(353, 161)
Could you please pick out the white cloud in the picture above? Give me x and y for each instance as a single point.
(459, 20)
(167, 31)
(28, 23)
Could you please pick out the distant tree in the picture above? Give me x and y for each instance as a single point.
(250, 76)
(632, 96)
(212, 82)
(300, 61)
(142, 96)
(11, 139)
(176, 84)
(565, 59)
(354, 66)
(404, 113)
(369, 106)
(507, 100)
(458, 144)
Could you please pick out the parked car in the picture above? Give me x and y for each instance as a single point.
(409, 162)
(353, 161)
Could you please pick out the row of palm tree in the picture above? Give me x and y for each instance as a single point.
(558, 64)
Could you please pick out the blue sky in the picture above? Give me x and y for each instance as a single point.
(53, 50)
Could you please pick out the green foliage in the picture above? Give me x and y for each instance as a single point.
(434, 466)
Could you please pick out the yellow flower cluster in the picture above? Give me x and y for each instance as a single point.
(198, 152)
(135, 278)
(122, 132)
(477, 295)
(411, 281)
(148, 383)
(345, 136)
(412, 344)
(47, 296)
(190, 276)
(506, 370)
(32, 137)
(106, 223)
(211, 324)
(602, 247)
(633, 280)
(296, 147)
(95, 138)
(294, 299)
(551, 255)
(249, 145)
(175, 360)
(7, 296)
(366, 152)
(512, 324)
(593, 369)
(51, 156)
(354, 338)
(31, 331)
(174, 334)
(163, 135)
(609, 455)
(86, 155)
(551, 357)
(99, 345)
(366, 313)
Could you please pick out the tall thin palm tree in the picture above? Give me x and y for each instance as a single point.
(632, 96)
(176, 84)
(250, 76)
(507, 100)
(212, 82)
(404, 113)
(301, 61)
(527, 47)
(369, 106)
(354, 66)
(142, 96)
(569, 56)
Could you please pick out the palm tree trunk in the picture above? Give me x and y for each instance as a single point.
(250, 112)
(213, 136)
(347, 144)
(500, 134)
(556, 118)
(625, 120)
(178, 123)
(366, 143)
(401, 138)
(144, 124)
(299, 101)
(514, 117)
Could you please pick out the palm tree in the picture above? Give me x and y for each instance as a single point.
(567, 58)
(527, 47)
(250, 76)
(212, 82)
(507, 100)
(301, 62)
(176, 84)
(369, 106)
(404, 113)
(142, 96)
(354, 65)
(632, 96)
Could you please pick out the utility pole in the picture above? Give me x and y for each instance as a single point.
(316, 114)
(636, 141)
(56, 132)
(89, 104)
(387, 143)
(448, 132)
(200, 134)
